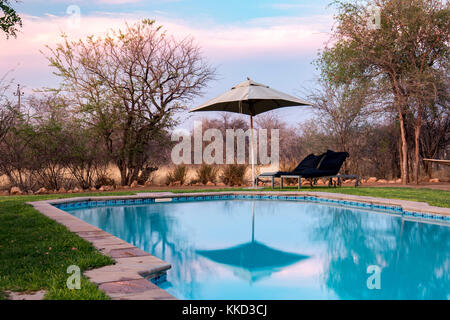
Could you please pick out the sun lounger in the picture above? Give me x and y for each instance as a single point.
(313, 167)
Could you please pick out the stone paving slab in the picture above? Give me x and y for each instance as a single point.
(127, 252)
(37, 295)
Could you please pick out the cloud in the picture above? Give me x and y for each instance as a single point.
(270, 38)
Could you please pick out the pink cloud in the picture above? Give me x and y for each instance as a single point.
(262, 38)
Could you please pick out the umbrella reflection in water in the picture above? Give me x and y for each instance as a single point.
(253, 260)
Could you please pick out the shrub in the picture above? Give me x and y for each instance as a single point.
(104, 180)
(206, 173)
(178, 174)
(233, 174)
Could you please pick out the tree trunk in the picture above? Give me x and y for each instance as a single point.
(404, 153)
(417, 146)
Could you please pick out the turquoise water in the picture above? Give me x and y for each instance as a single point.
(256, 249)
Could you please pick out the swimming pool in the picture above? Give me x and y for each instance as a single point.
(277, 249)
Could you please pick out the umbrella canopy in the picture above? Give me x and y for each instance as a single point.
(251, 98)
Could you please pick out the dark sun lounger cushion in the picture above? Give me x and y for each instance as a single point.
(311, 161)
(333, 161)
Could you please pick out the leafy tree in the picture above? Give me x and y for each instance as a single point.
(401, 56)
(10, 19)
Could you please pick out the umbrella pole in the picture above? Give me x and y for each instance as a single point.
(252, 151)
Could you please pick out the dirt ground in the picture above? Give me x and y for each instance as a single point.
(436, 186)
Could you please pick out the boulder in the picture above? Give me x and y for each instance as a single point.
(372, 180)
(30, 192)
(41, 191)
(93, 189)
(391, 182)
(221, 184)
(320, 182)
(76, 189)
(148, 183)
(436, 180)
(102, 188)
(382, 181)
(398, 181)
(134, 184)
(210, 184)
(15, 191)
(62, 190)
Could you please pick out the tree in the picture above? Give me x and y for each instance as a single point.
(129, 84)
(400, 55)
(342, 109)
(10, 19)
(6, 110)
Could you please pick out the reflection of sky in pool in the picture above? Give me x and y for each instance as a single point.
(297, 250)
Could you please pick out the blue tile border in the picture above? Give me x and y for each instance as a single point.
(396, 210)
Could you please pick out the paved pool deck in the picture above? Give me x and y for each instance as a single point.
(128, 278)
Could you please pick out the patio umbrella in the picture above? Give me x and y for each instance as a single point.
(253, 260)
(251, 98)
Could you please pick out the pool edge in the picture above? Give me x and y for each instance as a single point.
(128, 278)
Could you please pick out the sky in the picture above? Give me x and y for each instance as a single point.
(272, 42)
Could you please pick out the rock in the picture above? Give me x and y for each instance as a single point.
(93, 189)
(15, 191)
(436, 180)
(76, 189)
(30, 192)
(398, 181)
(102, 188)
(210, 184)
(134, 184)
(126, 187)
(70, 191)
(391, 181)
(62, 190)
(382, 181)
(372, 180)
(41, 191)
(147, 183)
(221, 184)
(176, 184)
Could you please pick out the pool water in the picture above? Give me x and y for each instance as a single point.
(256, 249)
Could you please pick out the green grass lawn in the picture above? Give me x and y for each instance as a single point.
(35, 251)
